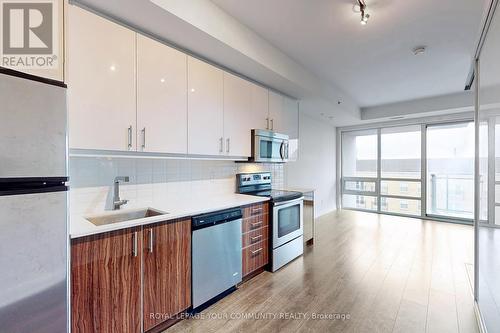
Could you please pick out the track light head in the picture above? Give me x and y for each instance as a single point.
(364, 15)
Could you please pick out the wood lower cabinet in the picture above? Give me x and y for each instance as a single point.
(255, 237)
(109, 288)
(167, 271)
(106, 282)
(255, 256)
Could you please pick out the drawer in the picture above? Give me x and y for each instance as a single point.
(257, 209)
(255, 236)
(255, 257)
(255, 222)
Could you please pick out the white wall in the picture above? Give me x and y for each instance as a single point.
(91, 179)
(315, 167)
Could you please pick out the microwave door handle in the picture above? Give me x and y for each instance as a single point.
(281, 150)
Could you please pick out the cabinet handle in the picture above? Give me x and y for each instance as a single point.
(272, 124)
(256, 211)
(129, 137)
(143, 138)
(228, 141)
(221, 142)
(256, 224)
(256, 252)
(267, 120)
(134, 249)
(151, 240)
(253, 239)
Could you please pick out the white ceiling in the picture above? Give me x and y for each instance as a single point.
(372, 63)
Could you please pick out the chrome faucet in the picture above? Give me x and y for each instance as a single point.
(117, 203)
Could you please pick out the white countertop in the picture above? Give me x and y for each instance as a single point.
(176, 207)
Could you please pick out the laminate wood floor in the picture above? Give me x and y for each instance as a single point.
(365, 273)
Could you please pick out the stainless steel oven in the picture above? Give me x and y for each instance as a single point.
(268, 146)
(287, 232)
(288, 222)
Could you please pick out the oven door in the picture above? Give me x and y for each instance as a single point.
(288, 221)
(268, 149)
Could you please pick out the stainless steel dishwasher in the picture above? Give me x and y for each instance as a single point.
(216, 256)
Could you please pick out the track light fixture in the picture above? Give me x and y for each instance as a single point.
(364, 15)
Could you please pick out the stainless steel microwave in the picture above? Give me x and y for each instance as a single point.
(268, 146)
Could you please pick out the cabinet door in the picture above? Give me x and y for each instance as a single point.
(290, 118)
(284, 118)
(161, 97)
(284, 115)
(238, 118)
(290, 125)
(101, 83)
(255, 238)
(205, 108)
(167, 271)
(276, 112)
(106, 282)
(260, 107)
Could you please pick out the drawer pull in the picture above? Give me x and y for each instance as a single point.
(256, 252)
(256, 224)
(256, 211)
(256, 238)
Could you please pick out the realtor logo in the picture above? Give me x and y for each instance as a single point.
(29, 34)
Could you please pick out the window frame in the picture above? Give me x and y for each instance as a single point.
(422, 198)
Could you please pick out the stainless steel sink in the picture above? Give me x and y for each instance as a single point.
(124, 216)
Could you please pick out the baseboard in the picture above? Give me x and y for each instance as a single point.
(331, 211)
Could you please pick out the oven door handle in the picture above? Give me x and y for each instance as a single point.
(289, 202)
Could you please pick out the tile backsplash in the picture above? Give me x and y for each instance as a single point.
(91, 179)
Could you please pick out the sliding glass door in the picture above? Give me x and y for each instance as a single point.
(423, 170)
(450, 170)
(400, 176)
(487, 263)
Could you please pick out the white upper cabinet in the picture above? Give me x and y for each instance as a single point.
(283, 115)
(238, 118)
(275, 112)
(260, 107)
(101, 83)
(205, 109)
(284, 118)
(291, 125)
(161, 98)
(127, 92)
(290, 118)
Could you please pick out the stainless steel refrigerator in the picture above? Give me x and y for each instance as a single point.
(33, 205)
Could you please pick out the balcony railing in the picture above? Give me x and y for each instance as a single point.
(451, 195)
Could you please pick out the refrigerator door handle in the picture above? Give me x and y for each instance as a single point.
(18, 186)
